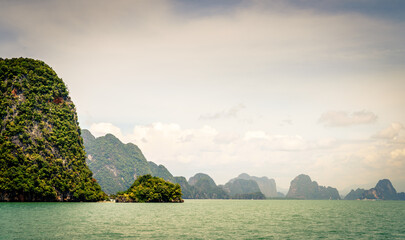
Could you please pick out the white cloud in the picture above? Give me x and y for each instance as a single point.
(342, 119)
(398, 153)
(278, 142)
(397, 159)
(256, 135)
(392, 132)
(188, 151)
(101, 129)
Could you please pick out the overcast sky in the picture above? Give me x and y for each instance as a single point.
(270, 88)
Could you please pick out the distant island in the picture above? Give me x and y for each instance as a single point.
(302, 187)
(382, 191)
(116, 165)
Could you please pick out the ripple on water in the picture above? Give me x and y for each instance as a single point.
(205, 219)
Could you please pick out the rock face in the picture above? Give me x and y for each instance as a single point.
(201, 176)
(267, 186)
(116, 165)
(205, 187)
(354, 195)
(302, 187)
(383, 191)
(42, 156)
(187, 190)
(280, 195)
(160, 171)
(401, 196)
(241, 186)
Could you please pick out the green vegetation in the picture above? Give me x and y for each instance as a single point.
(116, 165)
(151, 189)
(160, 171)
(41, 151)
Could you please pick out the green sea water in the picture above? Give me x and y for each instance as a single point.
(205, 219)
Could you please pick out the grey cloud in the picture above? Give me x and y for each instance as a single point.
(343, 119)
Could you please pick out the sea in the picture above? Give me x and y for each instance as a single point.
(205, 219)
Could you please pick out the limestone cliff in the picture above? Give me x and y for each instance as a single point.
(267, 186)
(382, 191)
(42, 156)
(302, 187)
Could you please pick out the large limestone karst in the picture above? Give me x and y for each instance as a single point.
(267, 186)
(187, 190)
(242, 188)
(41, 150)
(302, 187)
(205, 187)
(383, 191)
(355, 194)
(116, 165)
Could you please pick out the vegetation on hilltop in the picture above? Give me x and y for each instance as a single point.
(151, 189)
(41, 151)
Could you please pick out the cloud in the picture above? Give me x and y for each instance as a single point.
(398, 158)
(230, 113)
(187, 151)
(391, 132)
(343, 119)
(101, 129)
(398, 153)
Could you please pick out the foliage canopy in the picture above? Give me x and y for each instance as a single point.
(151, 189)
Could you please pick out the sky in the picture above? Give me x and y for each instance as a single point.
(269, 88)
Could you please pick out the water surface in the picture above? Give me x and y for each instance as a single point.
(205, 219)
